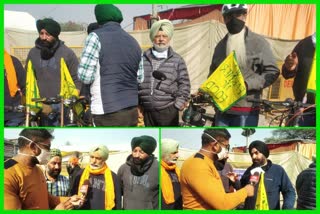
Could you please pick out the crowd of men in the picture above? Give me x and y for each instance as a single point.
(129, 88)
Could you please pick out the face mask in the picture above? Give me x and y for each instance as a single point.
(44, 156)
(235, 25)
(222, 154)
(161, 48)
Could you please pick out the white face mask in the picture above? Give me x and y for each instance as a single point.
(222, 154)
(44, 156)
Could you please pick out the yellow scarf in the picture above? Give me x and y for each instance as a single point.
(262, 199)
(109, 196)
(166, 184)
(11, 74)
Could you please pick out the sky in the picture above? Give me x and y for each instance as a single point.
(119, 139)
(84, 13)
(114, 139)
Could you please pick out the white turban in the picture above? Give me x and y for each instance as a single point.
(168, 146)
(164, 24)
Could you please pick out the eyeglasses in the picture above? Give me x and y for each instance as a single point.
(224, 145)
(46, 146)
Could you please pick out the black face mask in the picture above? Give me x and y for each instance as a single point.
(235, 25)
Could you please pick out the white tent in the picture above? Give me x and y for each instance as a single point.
(19, 20)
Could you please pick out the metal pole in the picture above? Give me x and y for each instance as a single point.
(154, 16)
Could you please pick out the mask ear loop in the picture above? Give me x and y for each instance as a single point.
(215, 140)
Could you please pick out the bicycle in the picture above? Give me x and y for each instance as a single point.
(195, 114)
(284, 113)
(70, 110)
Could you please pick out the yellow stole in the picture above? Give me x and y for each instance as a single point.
(166, 184)
(11, 74)
(109, 194)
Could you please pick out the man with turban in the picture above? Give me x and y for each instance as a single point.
(139, 176)
(165, 87)
(46, 63)
(170, 176)
(275, 180)
(109, 63)
(97, 183)
(58, 185)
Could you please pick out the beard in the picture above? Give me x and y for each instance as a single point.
(236, 43)
(47, 44)
(219, 164)
(54, 172)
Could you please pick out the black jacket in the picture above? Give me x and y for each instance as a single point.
(306, 188)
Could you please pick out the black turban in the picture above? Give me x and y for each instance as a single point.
(260, 146)
(50, 25)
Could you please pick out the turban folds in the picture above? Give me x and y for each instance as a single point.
(50, 25)
(147, 143)
(55, 152)
(103, 151)
(107, 12)
(260, 146)
(165, 25)
(168, 146)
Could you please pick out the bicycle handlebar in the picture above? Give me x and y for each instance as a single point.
(288, 103)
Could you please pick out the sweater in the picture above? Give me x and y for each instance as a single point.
(202, 188)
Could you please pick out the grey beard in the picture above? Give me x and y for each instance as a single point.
(160, 49)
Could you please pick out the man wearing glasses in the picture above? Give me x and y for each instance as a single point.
(24, 183)
(201, 184)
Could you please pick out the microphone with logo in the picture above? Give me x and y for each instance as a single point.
(255, 175)
(83, 191)
(254, 179)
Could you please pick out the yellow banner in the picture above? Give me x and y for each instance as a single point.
(32, 90)
(226, 84)
(262, 199)
(68, 88)
(311, 87)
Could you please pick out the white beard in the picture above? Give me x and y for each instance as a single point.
(236, 43)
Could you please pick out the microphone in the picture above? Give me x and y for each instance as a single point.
(159, 76)
(84, 188)
(254, 178)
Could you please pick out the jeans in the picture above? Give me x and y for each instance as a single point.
(223, 119)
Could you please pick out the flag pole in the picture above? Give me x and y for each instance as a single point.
(61, 112)
(27, 116)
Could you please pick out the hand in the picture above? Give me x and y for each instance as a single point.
(250, 190)
(77, 200)
(66, 205)
(232, 176)
(291, 61)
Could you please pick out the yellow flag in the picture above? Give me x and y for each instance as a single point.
(226, 84)
(311, 87)
(262, 199)
(68, 88)
(32, 90)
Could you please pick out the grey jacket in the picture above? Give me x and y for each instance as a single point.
(140, 192)
(261, 70)
(48, 71)
(175, 90)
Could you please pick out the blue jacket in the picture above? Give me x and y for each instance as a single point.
(276, 180)
(119, 59)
